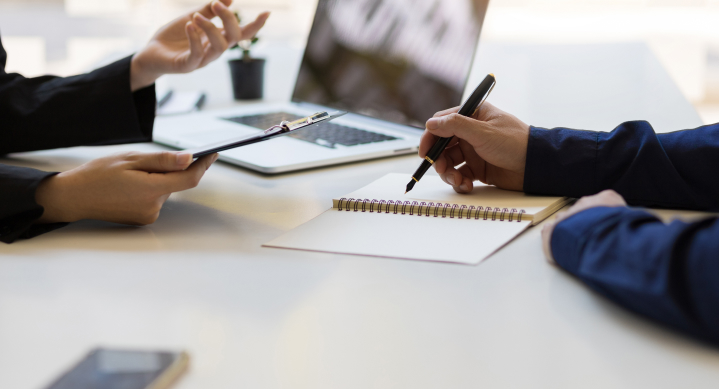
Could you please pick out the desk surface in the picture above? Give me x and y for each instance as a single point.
(257, 317)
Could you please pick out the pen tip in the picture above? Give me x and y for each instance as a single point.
(409, 186)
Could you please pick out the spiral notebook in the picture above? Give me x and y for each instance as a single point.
(431, 223)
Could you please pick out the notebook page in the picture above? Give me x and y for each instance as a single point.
(432, 188)
(466, 241)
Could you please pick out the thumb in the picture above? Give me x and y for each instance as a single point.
(457, 125)
(160, 162)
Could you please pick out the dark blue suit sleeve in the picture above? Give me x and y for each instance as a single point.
(674, 170)
(668, 272)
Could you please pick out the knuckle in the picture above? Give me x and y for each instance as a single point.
(222, 44)
(452, 119)
(166, 157)
(129, 155)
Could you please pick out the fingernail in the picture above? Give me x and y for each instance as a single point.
(450, 179)
(433, 124)
(464, 187)
(215, 158)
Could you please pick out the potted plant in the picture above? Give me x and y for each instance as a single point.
(247, 73)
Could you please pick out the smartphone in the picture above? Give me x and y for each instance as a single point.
(124, 369)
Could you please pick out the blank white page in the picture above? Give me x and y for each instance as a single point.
(466, 241)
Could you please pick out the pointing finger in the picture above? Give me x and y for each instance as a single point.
(233, 32)
(218, 43)
(446, 112)
(207, 11)
(197, 50)
(457, 125)
(250, 30)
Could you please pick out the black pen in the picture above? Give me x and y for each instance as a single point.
(472, 104)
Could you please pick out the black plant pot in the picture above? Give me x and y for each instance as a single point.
(247, 78)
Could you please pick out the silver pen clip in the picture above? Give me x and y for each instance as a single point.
(286, 126)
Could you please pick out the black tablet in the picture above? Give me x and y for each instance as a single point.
(280, 129)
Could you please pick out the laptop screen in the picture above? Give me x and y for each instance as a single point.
(396, 60)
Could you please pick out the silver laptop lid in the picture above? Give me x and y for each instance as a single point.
(395, 60)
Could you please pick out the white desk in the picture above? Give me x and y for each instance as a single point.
(268, 318)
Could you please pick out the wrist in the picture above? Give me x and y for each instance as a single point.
(140, 75)
(52, 195)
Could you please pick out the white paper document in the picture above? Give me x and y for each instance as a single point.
(431, 223)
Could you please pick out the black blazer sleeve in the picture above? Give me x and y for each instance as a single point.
(96, 108)
(48, 112)
(18, 209)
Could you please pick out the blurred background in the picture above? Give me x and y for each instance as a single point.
(65, 37)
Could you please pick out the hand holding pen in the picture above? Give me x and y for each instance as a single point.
(490, 146)
(467, 109)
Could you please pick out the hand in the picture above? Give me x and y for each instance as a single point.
(189, 43)
(492, 145)
(607, 198)
(128, 188)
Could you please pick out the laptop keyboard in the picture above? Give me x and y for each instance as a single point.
(326, 134)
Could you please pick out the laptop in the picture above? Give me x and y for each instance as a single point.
(391, 64)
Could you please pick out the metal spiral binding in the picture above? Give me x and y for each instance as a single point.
(404, 205)
(444, 210)
(501, 215)
(364, 202)
(345, 204)
(411, 208)
(451, 213)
